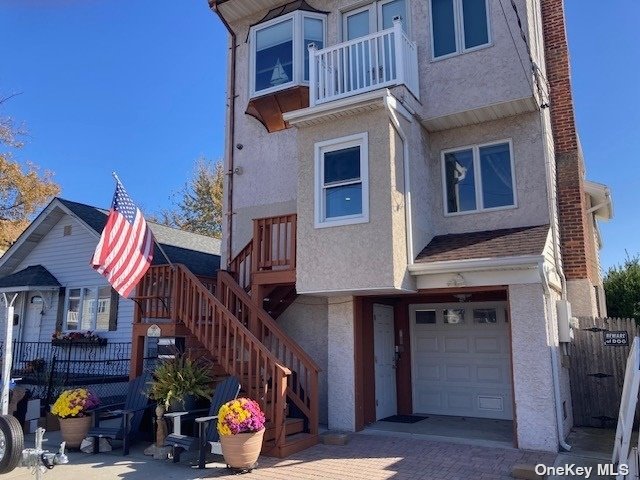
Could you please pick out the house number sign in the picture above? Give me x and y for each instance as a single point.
(153, 331)
(616, 339)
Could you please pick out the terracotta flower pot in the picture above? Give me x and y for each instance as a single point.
(74, 430)
(242, 450)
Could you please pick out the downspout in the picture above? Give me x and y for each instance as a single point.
(555, 239)
(231, 130)
(554, 363)
(392, 106)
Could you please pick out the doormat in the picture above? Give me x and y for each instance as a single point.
(403, 418)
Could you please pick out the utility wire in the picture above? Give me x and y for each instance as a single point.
(534, 68)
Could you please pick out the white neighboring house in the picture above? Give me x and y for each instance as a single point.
(49, 267)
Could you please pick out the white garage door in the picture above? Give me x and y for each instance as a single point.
(461, 360)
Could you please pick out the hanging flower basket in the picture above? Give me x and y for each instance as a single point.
(77, 338)
(81, 341)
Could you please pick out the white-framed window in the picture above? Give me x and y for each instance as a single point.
(89, 308)
(342, 181)
(279, 55)
(479, 178)
(458, 26)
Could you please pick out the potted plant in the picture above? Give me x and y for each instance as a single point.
(179, 382)
(241, 429)
(73, 408)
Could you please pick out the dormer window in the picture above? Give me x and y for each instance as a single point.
(279, 50)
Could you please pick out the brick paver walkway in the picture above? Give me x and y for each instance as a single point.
(368, 457)
(379, 457)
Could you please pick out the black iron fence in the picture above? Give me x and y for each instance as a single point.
(46, 369)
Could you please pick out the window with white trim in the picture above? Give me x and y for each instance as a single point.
(279, 50)
(478, 178)
(458, 26)
(342, 181)
(89, 308)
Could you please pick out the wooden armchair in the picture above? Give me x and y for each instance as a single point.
(225, 391)
(131, 413)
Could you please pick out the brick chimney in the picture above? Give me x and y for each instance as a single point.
(576, 234)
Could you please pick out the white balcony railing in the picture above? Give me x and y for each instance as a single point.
(383, 59)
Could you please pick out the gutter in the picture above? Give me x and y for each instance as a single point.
(394, 107)
(231, 127)
(476, 264)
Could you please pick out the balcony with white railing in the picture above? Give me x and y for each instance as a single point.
(379, 60)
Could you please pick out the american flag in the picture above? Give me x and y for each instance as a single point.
(125, 249)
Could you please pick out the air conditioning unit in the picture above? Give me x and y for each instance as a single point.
(565, 321)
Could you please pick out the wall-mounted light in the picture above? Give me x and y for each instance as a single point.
(457, 281)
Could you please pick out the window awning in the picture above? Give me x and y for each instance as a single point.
(35, 277)
(288, 8)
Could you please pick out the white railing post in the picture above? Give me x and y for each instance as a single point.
(398, 39)
(313, 82)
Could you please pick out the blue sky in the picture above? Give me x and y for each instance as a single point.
(138, 86)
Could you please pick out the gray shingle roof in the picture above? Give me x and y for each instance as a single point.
(34, 276)
(199, 253)
(486, 244)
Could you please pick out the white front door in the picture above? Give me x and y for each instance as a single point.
(461, 360)
(32, 318)
(384, 360)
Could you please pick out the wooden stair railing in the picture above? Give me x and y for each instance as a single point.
(229, 342)
(241, 266)
(272, 248)
(303, 384)
(274, 243)
(155, 295)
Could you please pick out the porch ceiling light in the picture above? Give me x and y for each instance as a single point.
(462, 297)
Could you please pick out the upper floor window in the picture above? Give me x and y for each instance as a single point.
(342, 181)
(90, 308)
(372, 18)
(279, 50)
(458, 26)
(480, 177)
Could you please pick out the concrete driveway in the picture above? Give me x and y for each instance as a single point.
(369, 457)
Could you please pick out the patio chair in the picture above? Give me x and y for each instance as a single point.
(224, 392)
(131, 413)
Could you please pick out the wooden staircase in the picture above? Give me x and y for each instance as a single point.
(233, 328)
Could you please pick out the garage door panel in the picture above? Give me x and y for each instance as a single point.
(427, 344)
(488, 344)
(491, 374)
(428, 373)
(431, 401)
(460, 401)
(457, 344)
(458, 373)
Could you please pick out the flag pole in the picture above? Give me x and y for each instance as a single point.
(115, 175)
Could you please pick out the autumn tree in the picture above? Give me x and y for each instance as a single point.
(622, 289)
(23, 190)
(198, 206)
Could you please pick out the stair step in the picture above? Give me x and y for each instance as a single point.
(293, 444)
(292, 426)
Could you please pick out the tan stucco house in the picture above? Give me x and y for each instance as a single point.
(408, 227)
